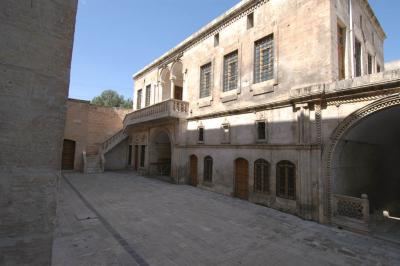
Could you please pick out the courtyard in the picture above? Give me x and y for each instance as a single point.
(119, 218)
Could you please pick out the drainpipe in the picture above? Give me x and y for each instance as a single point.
(351, 39)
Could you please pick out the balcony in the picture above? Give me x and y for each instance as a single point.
(164, 110)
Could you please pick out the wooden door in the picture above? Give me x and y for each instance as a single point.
(136, 157)
(193, 170)
(68, 155)
(241, 179)
(178, 93)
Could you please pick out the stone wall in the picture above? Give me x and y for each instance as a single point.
(35, 55)
(90, 125)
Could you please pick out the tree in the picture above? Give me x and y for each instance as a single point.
(111, 98)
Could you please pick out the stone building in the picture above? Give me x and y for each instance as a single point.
(282, 103)
(87, 128)
(35, 56)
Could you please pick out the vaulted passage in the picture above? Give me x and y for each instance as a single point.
(366, 165)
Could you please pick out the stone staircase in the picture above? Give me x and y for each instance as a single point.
(92, 160)
(94, 156)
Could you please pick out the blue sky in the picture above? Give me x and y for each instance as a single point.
(115, 39)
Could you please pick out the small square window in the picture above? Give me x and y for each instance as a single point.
(250, 20)
(201, 134)
(261, 130)
(216, 40)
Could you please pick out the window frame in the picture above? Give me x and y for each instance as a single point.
(264, 180)
(358, 65)
(210, 65)
(265, 130)
(208, 164)
(289, 192)
(139, 96)
(147, 99)
(200, 132)
(225, 72)
(270, 44)
(225, 136)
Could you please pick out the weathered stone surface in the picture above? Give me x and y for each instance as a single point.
(166, 224)
(35, 55)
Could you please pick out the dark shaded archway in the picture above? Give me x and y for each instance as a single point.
(365, 170)
(160, 154)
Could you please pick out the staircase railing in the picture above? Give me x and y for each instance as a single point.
(113, 141)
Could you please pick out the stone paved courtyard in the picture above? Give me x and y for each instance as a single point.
(117, 218)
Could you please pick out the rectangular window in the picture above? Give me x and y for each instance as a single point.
(369, 64)
(378, 68)
(231, 71)
(205, 80)
(216, 40)
(264, 59)
(357, 58)
(201, 134)
(148, 94)
(341, 51)
(139, 99)
(225, 134)
(261, 130)
(250, 20)
(142, 155)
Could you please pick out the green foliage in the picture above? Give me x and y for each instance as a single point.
(111, 98)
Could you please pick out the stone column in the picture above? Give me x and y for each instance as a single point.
(35, 58)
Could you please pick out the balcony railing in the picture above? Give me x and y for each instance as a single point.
(167, 109)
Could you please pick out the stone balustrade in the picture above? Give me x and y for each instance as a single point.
(351, 207)
(113, 141)
(167, 109)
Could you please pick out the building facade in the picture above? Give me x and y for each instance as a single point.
(278, 103)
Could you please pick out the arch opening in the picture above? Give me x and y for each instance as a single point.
(177, 80)
(165, 78)
(365, 165)
(160, 155)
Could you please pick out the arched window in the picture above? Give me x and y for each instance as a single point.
(261, 176)
(286, 180)
(208, 168)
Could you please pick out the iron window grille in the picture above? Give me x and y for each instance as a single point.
(230, 71)
(205, 80)
(261, 176)
(286, 180)
(264, 59)
(201, 134)
(357, 55)
(261, 130)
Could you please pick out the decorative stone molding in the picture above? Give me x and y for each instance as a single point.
(340, 130)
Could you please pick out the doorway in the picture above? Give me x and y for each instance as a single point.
(241, 179)
(68, 155)
(193, 170)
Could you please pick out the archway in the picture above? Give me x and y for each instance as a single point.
(363, 172)
(165, 79)
(68, 155)
(241, 178)
(177, 80)
(193, 170)
(160, 155)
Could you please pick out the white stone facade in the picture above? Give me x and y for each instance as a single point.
(301, 104)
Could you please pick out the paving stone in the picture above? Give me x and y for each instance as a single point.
(166, 224)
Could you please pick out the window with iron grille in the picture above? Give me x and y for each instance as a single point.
(208, 168)
(264, 59)
(261, 130)
(357, 57)
(261, 176)
(369, 64)
(142, 155)
(148, 93)
(205, 80)
(139, 99)
(286, 180)
(230, 71)
(201, 134)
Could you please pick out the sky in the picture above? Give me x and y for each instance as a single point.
(115, 39)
